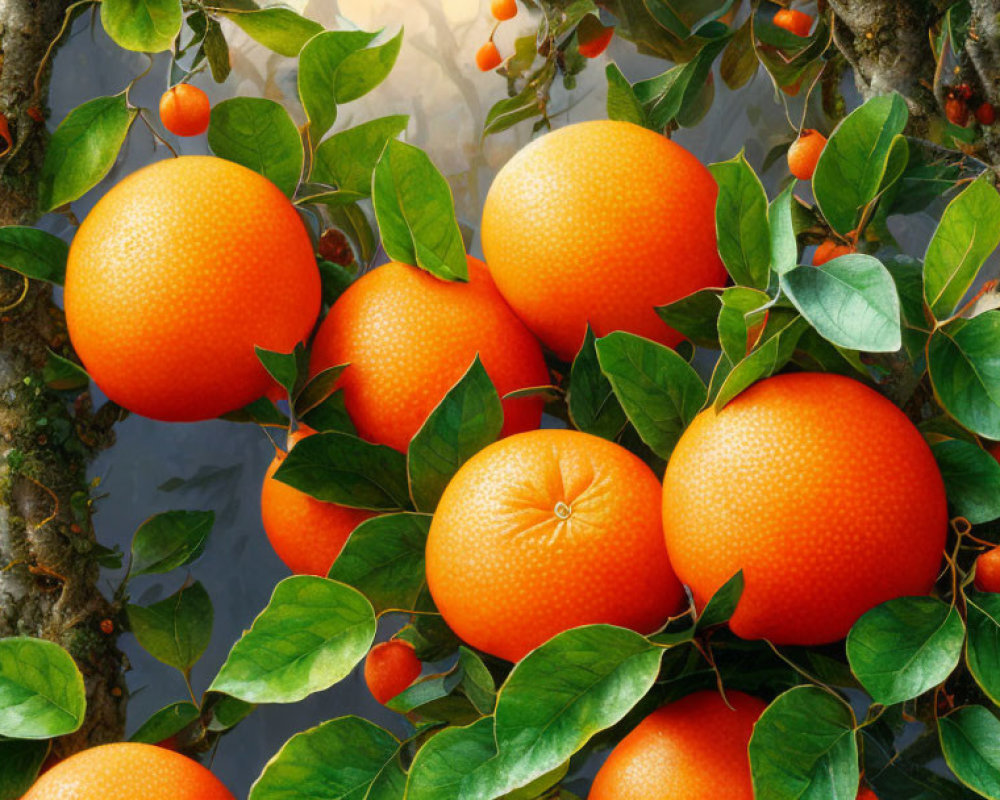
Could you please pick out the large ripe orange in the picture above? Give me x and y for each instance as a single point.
(306, 533)
(128, 771)
(174, 276)
(820, 490)
(600, 221)
(692, 749)
(409, 337)
(546, 531)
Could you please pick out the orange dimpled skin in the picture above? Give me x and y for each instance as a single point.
(600, 221)
(409, 337)
(128, 771)
(546, 531)
(692, 749)
(175, 275)
(988, 571)
(185, 110)
(390, 668)
(820, 490)
(804, 153)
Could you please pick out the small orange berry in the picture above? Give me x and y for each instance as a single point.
(390, 668)
(828, 250)
(488, 57)
(866, 794)
(988, 571)
(794, 21)
(986, 114)
(107, 627)
(503, 9)
(596, 41)
(956, 110)
(185, 110)
(804, 153)
(792, 89)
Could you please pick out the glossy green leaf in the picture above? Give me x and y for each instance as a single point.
(365, 69)
(64, 375)
(20, 760)
(310, 636)
(982, 649)
(34, 253)
(41, 689)
(476, 681)
(83, 149)
(970, 741)
(226, 712)
(741, 320)
(166, 722)
(217, 51)
(317, 389)
(338, 760)
(330, 415)
(971, 479)
(623, 105)
(852, 166)
(416, 212)
(964, 366)
(170, 540)
(694, 316)
(722, 605)
(348, 158)
(447, 763)
(278, 29)
(967, 234)
(685, 84)
(784, 245)
(769, 357)
(287, 369)
(384, 560)
(851, 301)
(339, 468)
(593, 407)
(319, 63)
(177, 630)
(259, 134)
(905, 647)
(739, 60)
(803, 748)
(741, 222)
(659, 391)
(148, 26)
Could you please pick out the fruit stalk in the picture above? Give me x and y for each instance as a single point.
(48, 566)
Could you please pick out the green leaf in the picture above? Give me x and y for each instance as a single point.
(967, 234)
(41, 690)
(226, 711)
(177, 630)
(217, 51)
(34, 253)
(259, 134)
(964, 365)
(170, 540)
(288, 369)
(971, 478)
(763, 362)
(592, 404)
(20, 761)
(310, 636)
(970, 741)
(83, 149)
(851, 301)
(147, 26)
(260, 412)
(384, 560)
(339, 468)
(278, 29)
(623, 105)
(741, 222)
(166, 722)
(739, 60)
(722, 604)
(695, 317)
(64, 375)
(468, 418)
(416, 213)
(348, 158)
(852, 166)
(803, 748)
(742, 309)
(365, 69)
(905, 647)
(659, 391)
(317, 389)
(982, 650)
(784, 245)
(319, 63)
(476, 683)
(686, 84)
(330, 415)
(447, 763)
(338, 760)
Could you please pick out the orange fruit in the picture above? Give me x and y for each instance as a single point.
(488, 57)
(986, 114)
(828, 250)
(600, 221)
(128, 771)
(692, 749)
(174, 276)
(804, 153)
(592, 47)
(409, 337)
(185, 110)
(306, 533)
(820, 490)
(864, 793)
(503, 9)
(988, 571)
(546, 531)
(390, 668)
(793, 21)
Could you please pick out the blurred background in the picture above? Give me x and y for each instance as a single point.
(218, 465)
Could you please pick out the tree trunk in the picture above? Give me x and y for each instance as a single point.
(48, 552)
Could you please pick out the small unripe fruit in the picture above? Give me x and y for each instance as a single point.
(796, 22)
(804, 153)
(185, 110)
(503, 9)
(956, 110)
(828, 250)
(986, 114)
(488, 57)
(988, 571)
(390, 668)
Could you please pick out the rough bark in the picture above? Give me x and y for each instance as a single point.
(48, 566)
(983, 49)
